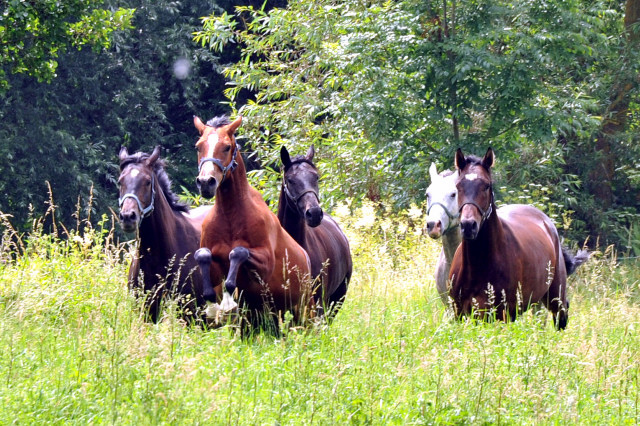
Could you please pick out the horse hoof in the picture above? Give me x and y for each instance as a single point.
(228, 304)
(212, 310)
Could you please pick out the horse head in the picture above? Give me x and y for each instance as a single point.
(217, 153)
(137, 187)
(442, 202)
(475, 192)
(300, 185)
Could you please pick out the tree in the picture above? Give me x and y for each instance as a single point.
(34, 34)
(616, 110)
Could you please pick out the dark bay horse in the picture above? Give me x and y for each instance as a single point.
(509, 258)
(302, 217)
(242, 240)
(168, 233)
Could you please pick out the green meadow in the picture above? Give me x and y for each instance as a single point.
(75, 350)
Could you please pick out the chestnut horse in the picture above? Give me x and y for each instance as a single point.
(509, 258)
(242, 239)
(168, 234)
(302, 217)
(443, 222)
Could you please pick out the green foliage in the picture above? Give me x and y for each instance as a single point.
(75, 348)
(34, 34)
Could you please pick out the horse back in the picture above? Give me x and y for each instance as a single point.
(196, 216)
(533, 241)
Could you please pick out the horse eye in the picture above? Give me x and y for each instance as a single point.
(227, 148)
(453, 195)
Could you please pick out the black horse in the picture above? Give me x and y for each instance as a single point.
(302, 217)
(168, 233)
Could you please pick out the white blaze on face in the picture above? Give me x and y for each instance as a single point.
(135, 172)
(212, 141)
(471, 176)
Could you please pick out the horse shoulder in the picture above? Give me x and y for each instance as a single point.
(327, 242)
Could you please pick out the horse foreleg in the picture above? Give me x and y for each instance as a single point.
(237, 257)
(203, 257)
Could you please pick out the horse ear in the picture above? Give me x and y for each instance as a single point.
(433, 171)
(153, 157)
(199, 124)
(285, 157)
(461, 162)
(488, 159)
(311, 152)
(234, 125)
(123, 154)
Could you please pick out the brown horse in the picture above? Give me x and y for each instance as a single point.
(242, 239)
(509, 258)
(302, 217)
(168, 234)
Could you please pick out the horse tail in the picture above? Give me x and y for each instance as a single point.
(572, 261)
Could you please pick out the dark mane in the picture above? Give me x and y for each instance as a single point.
(298, 159)
(472, 159)
(163, 179)
(219, 121)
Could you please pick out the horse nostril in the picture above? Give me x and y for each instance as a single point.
(127, 216)
(469, 228)
(430, 226)
(313, 216)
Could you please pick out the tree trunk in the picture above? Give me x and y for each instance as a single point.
(615, 117)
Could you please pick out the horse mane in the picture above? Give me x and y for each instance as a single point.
(298, 159)
(446, 173)
(472, 159)
(219, 121)
(163, 179)
(476, 161)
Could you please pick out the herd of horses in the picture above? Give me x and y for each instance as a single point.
(236, 261)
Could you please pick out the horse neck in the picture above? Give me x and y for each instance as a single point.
(157, 229)
(233, 193)
(290, 219)
(450, 242)
(490, 242)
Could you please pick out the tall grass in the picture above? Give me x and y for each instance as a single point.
(74, 347)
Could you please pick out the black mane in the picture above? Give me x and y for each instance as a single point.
(163, 179)
(219, 121)
(298, 159)
(474, 160)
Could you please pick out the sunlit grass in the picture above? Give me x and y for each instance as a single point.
(74, 348)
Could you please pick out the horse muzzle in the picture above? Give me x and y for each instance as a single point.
(207, 186)
(313, 216)
(129, 220)
(434, 229)
(469, 229)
